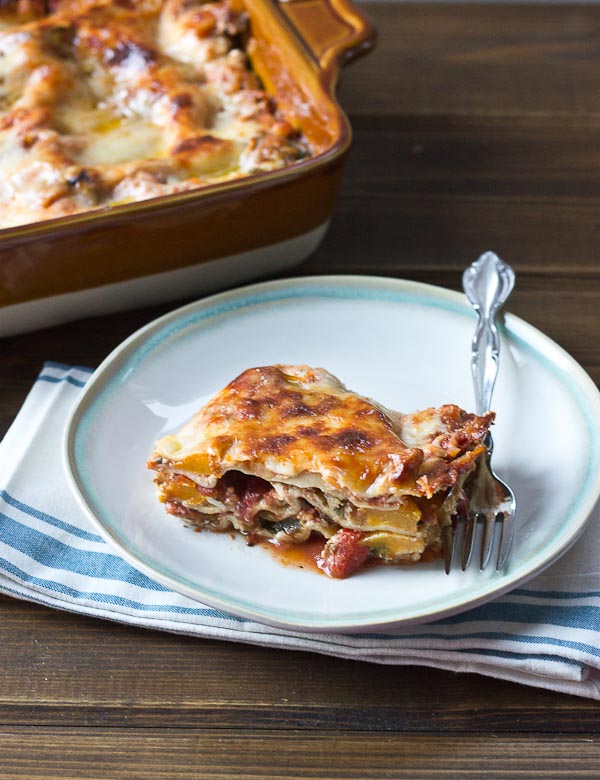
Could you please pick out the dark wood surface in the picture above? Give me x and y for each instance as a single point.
(476, 127)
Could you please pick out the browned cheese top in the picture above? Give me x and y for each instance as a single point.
(103, 103)
(299, 425)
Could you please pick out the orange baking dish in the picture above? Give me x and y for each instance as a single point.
(205, 239)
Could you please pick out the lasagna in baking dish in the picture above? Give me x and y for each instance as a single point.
(103, 103)
(289, 455)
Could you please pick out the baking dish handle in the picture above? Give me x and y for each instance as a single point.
(335, 31)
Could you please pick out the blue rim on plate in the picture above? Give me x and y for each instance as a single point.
(121, 365)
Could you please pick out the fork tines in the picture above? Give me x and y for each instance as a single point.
(464, 535)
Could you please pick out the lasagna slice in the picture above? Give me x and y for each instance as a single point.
(287, 454)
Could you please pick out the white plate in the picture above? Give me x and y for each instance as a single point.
(404, 344)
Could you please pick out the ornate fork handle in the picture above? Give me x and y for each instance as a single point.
(487, 283)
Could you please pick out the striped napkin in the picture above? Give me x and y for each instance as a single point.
(545, 634)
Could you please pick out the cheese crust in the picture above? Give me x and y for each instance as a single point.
(103, 103)
(286, 451)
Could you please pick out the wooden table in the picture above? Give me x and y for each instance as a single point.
(476, 127)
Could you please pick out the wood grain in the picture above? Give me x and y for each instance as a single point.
(453, 60)
(108, 754)
(80, 670)
(428, 193)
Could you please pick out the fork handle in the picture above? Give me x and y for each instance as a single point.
(484, 362)
(487, 283)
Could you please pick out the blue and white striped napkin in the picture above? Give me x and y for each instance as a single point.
(545, 634)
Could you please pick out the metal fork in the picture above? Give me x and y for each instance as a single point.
(487, 283)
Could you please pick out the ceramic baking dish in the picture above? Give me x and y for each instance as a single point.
(199, 241)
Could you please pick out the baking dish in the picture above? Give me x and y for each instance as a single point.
(202, 240)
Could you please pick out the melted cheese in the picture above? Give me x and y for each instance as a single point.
(105, 102)
(373, 482)
(298, 425)
(120, 142)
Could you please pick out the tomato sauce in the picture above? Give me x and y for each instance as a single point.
(302, 556)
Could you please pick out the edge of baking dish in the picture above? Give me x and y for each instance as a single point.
(299, 48)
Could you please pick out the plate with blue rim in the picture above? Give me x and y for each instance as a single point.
(403, 343)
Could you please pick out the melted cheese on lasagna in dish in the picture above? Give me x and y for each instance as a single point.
(103, 103)
(287, 454)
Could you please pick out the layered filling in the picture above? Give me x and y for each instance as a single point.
(353, 531)
(288, 454)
